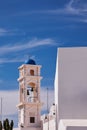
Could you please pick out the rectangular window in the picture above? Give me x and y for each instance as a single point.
(32, 119)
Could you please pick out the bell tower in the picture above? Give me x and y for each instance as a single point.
(29, 107)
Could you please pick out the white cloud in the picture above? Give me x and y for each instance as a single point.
(22, 48)
(44, 97)
(73, 7)
(78, 7)
(10, 32)
(69, 9)
(28, 45)
(9, 102)
(6, 60)
(3, 31)
(15, 59)
(84, 20)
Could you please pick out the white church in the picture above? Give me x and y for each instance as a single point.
(70, 109)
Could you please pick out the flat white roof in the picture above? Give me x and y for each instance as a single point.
(73, 122)
(15, 128)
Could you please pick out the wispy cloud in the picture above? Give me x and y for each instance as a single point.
(69, 9)
(22, 48)
(84, 20)
(11, 60)
(27, 45)
(73, 7)
(10, 32)
(3, 32)
(77, 7)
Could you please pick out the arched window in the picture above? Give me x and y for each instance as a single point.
(31, 72)
(31, 92)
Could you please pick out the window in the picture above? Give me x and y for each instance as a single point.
(53, 113)
(32, 119)
(31, 72)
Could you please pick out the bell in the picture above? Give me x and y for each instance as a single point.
(32, 89)
(28, 92)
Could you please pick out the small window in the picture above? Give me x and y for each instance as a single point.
(31, 72)
(32, 119)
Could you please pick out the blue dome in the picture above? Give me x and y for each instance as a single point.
(30, 61)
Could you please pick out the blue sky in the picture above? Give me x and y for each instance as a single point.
(37, 29)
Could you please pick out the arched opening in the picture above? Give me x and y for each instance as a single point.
(31, 92)
(32, 84)
(31, 72)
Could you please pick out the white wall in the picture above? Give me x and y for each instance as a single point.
(49, 125)
(71, 83)
(72, 124)
(56, 92)
(30, 128)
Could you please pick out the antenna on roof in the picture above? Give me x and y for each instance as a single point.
(1, 108)
(47, 101)
(48, 107)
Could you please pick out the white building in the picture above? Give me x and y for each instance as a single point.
(71, 88)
